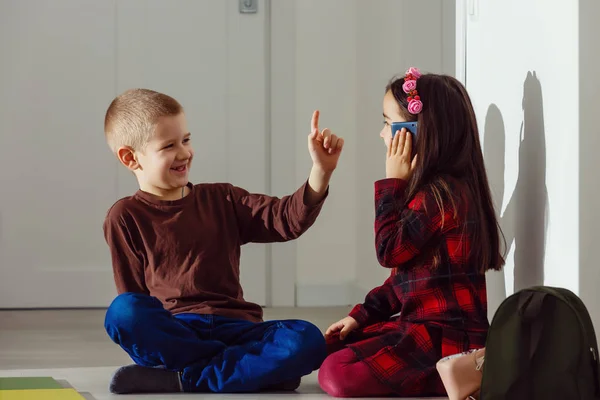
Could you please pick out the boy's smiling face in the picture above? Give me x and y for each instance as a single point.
(162, 166)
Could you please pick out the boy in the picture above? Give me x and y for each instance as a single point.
(175, 248)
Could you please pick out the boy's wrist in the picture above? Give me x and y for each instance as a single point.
(319, 179)
(318, 183)
(319, 171)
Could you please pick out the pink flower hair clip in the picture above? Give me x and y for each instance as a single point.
(415, 105)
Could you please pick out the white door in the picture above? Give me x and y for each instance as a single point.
(61, 64)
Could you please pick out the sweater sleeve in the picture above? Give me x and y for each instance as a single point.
(267, 219)
(401, 233)
(127, 262)
(379, 305)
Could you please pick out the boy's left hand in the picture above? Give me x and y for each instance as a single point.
(324, 147)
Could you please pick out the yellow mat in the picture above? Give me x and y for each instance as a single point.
(41, 394)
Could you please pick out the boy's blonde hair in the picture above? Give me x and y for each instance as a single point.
(132, 116)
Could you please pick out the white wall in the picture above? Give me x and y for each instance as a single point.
(337, 56)
(61, 63)
(522, 66)
(57, 179)
(326, 78)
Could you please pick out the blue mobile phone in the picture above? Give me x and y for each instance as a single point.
(410, 126)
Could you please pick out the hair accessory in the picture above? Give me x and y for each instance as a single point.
(415, 105)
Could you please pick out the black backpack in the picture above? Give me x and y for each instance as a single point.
(541, 345)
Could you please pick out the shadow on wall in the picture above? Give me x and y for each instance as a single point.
(525, 217)
(494, 156)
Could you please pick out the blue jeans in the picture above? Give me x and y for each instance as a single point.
(213, 353)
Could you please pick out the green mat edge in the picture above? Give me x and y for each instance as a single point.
(33, 382)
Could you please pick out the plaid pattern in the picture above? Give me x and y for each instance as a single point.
(443, 310)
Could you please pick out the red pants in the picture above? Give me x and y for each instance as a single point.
(343, 375)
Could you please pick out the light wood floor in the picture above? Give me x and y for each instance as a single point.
(72, 347)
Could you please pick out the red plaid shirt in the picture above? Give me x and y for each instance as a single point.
(443, 309)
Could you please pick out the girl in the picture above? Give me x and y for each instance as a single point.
(436, 230)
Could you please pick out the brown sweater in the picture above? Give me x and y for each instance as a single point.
(186, 252)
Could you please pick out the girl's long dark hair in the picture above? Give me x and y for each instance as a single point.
(448, 146)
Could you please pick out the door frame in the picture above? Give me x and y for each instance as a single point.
(281, 115)
(462, 7)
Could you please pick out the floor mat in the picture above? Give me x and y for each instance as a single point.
(35, 388)
(22, 383)
(41, 394)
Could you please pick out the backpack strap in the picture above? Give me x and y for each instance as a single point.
(529, 306)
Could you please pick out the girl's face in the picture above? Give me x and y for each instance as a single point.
(391, 113)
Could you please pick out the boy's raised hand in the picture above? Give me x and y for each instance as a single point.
(324, 147)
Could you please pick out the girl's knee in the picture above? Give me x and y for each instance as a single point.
(332, 377)
(344, 375)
